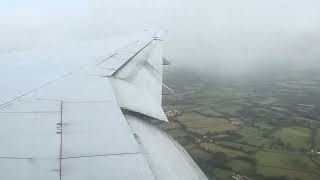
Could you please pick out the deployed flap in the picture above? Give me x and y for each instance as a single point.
(165, 61)
(138, 84)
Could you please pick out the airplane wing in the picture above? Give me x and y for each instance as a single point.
(86, 112)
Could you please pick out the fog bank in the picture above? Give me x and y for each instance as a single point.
(231, 36)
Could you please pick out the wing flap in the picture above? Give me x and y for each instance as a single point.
(138, 84)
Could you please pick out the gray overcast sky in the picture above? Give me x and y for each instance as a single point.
(231, 35)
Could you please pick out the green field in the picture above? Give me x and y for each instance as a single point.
(198, 154)
(283, 160)
(253, 136)
(240, 166)
(237, 146)
(318, 139)
(230, 110)
(294, 137)
(222, 174)
(292, 174)
(262, 129)
(292, 165)
(263, 126)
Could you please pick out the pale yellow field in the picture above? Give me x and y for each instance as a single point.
(215, 148)
(170, 125)
(211, 113)
(190, 116)
(209, 125)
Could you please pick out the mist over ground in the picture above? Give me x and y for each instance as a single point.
(231, 36)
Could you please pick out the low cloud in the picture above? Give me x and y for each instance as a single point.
(228, 36)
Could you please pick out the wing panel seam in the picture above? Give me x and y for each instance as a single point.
(61, 132)
(132, 57)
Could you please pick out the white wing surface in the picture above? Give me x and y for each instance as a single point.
(81, 112)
